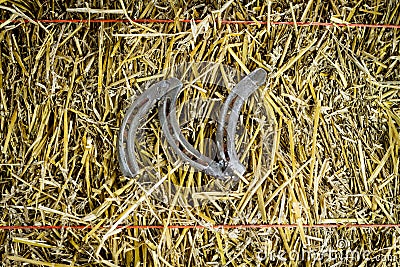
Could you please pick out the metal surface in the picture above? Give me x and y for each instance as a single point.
(138, 110)
(227, 123)
(178, 143)
(167, 93)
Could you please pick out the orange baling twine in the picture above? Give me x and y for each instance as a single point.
(246, 22)
(221, 226)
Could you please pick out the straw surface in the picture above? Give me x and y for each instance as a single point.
(333, 97)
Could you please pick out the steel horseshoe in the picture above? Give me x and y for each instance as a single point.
(227, 123)
(139, 109)
(179, 144)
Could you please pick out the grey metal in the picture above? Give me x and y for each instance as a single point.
(139, 109)
(168, 92)
(179, 144)
(227, 123)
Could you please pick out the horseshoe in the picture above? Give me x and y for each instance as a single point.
(226, 129)
(179, 144)
(139, 109)
(168, 91)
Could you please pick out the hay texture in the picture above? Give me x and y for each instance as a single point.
(333, 96)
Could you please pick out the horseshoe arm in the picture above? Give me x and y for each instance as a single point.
(139, 109)
(179, 143)
(227, 123)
